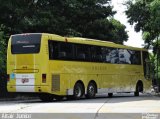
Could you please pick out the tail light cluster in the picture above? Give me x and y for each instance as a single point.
(44, 78)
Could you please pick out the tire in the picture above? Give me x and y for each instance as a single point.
(110, 95)
(138, 89)
(46, 97)
(78, 91)
(91, 90)
(136, 93)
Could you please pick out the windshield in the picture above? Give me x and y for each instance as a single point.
(25, 43)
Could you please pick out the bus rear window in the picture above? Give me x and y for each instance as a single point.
(25, 44)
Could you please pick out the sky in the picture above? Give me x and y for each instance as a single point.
(135, 39)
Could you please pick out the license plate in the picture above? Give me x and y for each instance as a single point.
(25, 80)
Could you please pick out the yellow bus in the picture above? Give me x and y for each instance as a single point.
(53, 66)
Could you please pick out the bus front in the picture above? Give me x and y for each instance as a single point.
(24, 62)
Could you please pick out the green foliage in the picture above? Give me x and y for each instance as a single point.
(138, 13)
(146, 16)
(84, 18)
(118, 31)
(2, 53)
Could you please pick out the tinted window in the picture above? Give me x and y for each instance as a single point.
(135, 57)
(61, 50)
(53, 49)
(25, 44)
(82, 52)
(96, 54)
(129, 57)
(111, 55)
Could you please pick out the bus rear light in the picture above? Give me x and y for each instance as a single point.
(43, 78)
(8, 78)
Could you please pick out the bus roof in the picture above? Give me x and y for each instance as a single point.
(85, 41)
(103, 43)
(93, 42)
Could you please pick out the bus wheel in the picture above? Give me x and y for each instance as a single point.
(136, 93)
(46, 97)
(138, 89)
(110, 95)
(91, 90)
(78, 91)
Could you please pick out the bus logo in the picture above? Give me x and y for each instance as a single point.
(25, 80)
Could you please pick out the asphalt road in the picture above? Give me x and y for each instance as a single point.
(120, 106)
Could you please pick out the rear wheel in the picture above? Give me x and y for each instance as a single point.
(139, 88)
(136, 93)
(78, 91)
(91, 90)
(46, 97)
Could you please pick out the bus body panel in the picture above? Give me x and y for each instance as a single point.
(26, 71)
(122, 81)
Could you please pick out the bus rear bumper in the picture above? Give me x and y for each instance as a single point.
(37, 89)
(30, 89)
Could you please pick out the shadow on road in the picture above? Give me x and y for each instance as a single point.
(117, 98)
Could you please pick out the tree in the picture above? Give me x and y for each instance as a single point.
(118, 32)
(145, 14)
(2, 54)
(3, 57)
(63, 17)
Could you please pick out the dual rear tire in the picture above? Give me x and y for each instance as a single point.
(91, 90)
(78, 91)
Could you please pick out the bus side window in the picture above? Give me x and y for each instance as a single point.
(50, 50)
(62, 55)
(82, 52)
(53, 50)
(124, 56)
(66, 51)
(135, 57)
(82, 56)
(112, 55)
(96, 54)
(106, 55)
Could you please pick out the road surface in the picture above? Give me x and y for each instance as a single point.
(120, 106)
